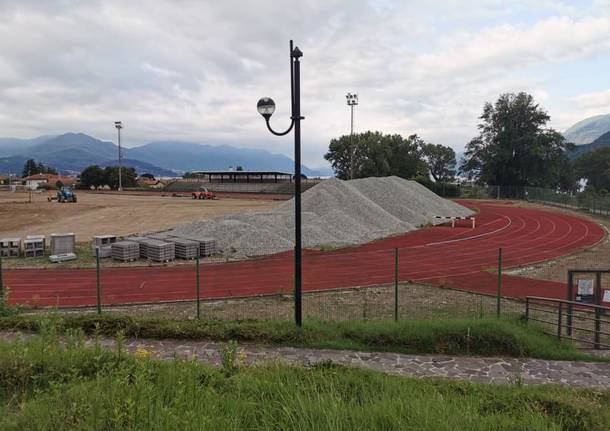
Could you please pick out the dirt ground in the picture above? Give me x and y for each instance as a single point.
(117, 214)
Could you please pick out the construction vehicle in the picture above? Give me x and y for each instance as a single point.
(203, 193)
(66, 194)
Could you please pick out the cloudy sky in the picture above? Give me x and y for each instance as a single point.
(193, 70)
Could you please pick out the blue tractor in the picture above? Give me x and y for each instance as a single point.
(66, 194)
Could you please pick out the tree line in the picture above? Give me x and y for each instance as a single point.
(514, 147)
(374, 154)
(95, 176)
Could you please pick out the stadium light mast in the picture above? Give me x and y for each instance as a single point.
(119, 126)
(352, 100)
(266, 107)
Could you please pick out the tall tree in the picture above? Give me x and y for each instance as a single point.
(128, 177)
(440, 161)
(92, 176)
(32, 168)
(376, 154)
(515, 147)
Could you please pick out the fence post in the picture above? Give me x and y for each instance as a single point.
(396, 285)
(598, 324)
(97, 280)
(570, 305)
(198, 289)
(499, 292)
(559, 320)
(1, 282)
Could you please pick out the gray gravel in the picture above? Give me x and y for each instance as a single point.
(335, 213)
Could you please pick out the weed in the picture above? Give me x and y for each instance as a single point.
(228, 356)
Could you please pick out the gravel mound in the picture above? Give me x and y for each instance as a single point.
(335, 213)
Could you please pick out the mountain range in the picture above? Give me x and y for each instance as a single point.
(72, 152)
(588, 130)
(589, 135)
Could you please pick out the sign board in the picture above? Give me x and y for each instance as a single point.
(606, 297)
(585, 292)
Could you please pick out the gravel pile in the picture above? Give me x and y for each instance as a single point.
(335, 213)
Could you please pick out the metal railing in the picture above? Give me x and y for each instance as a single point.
(571, 312)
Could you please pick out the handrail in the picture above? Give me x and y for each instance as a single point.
(565, 301)
(597, 310)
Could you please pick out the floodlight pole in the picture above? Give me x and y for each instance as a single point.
(119, 126)
(295, 92)
(352, 100)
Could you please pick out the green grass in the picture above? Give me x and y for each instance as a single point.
(482, 337)
(45, 386)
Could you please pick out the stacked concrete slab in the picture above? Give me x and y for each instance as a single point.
(10, 247)
(104, 244)
(158, 250)
(34, 245)
(62, 243)
(125, 251)
(207, 246)
(185, 248)
(141, 240)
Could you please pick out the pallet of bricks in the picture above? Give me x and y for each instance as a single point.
(155, 249)
(125, 251)
(10, 247)
(103, 243)
(184, 248)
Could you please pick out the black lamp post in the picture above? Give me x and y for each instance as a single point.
(266, 107)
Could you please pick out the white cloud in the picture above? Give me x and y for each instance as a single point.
(193, 70)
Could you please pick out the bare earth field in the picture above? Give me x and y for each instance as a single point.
(118, 214)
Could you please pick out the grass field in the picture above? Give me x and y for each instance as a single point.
(46, 386)
(483, 337)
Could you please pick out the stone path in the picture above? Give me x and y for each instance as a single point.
(472, 369)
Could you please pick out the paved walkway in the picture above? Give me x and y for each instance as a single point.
(473, 369)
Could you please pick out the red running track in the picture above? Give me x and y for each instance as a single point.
(440, 255)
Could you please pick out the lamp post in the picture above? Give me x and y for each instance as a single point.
(266, 107)
(119, 126)
(352, 100)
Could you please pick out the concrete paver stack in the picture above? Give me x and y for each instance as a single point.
(185, 248)
(62, 243)
(125, 251)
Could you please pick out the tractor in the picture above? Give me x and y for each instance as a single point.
(66, 194)
(203, 193)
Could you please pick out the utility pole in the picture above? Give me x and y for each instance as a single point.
(352, 100)
(119, 126)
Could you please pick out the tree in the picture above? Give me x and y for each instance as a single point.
(595, 168)
(149, 176)
(440, 161)
(375, 154)
(239, 168)
(92, 176)
(128, 177)
(514, 146)
(32, 168)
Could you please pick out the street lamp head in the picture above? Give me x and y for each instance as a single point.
(266, 107)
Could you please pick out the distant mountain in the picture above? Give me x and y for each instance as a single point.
(72, 152)
(188, 156)
(12, 146)
(588, 130)
(601, 142)
(12, 165)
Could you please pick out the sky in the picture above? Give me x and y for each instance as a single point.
(194, 70)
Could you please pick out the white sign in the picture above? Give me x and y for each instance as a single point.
(606, 296)
(585, 287)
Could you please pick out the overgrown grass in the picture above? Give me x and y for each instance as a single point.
(45, 386)
(482, 337)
